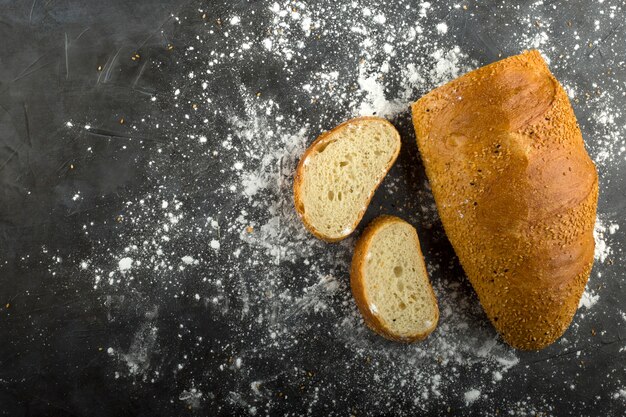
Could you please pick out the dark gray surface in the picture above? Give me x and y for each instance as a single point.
(57, 327)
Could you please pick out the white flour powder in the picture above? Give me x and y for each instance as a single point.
(288, 289)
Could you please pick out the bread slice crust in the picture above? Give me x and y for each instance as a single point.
(516, 192)
(359, 291)
(322, 141)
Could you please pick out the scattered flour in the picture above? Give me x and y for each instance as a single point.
(125, 264)
(602, 250)
(471, 396)
(137, 359)
(588, 299)
(279, 289)
(380, 19)
(621, 393)
(447, 65)
(442, 28)
(192, 397)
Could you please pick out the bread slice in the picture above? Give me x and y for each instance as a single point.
(516, 192)
(339, 173)
(390, 283)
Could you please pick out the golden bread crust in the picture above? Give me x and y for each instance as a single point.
(516, 192)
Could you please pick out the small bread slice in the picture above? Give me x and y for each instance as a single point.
(339, 173)
(390, 283)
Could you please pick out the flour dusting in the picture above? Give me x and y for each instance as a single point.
(471, 396)
(213, 239)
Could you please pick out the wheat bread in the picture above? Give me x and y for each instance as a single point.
(339, 173)
(390, 283)
(516, 192)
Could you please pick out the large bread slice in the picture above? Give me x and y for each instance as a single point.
(390, 283)
(338, 174)
(516, 192)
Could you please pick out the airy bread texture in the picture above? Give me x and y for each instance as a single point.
(390, 283)
(516, 192)
(339, 173)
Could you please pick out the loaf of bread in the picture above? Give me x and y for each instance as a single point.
(516, 192)
(339, 173)
(390, 283)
